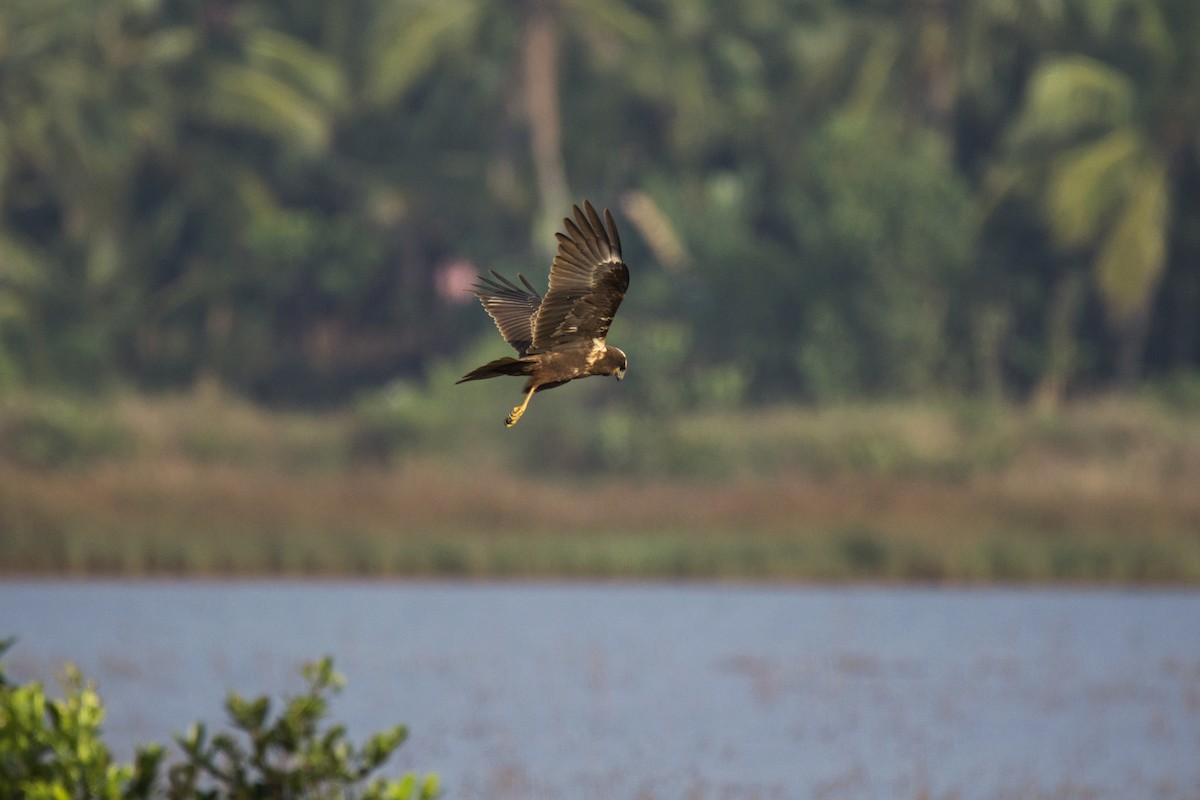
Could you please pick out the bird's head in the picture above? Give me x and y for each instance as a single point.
(620, 362)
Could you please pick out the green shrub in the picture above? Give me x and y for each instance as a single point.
(1179, 391)
(50, 433)
(53, 750)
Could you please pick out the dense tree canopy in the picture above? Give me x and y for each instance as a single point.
(820, 198)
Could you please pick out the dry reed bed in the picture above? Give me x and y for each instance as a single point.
(424, 496)
(1106, 492)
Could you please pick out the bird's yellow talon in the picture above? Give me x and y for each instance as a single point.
(512, 418)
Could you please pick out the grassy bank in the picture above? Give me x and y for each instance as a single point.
(1105, 491)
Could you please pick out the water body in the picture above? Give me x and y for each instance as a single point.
(542, 690)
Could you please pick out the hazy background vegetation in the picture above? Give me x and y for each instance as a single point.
(820, 199)
(866, 238)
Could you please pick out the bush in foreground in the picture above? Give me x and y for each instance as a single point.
(53, 750)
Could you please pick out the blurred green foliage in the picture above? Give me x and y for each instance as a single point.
(43, 432)
(822, 199)
(54, 750)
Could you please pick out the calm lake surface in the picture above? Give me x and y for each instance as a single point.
(542, 690)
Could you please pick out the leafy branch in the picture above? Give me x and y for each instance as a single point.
(53, 750)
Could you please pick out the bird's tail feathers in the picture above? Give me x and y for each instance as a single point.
(494, 369)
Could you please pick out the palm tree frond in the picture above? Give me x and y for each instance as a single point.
(1133, 255)
(1071, 98)
(618, 16)
(170, 46)
(22, 266)
(249, 98)
(302, 67)
(1087, 184)
(407, 39)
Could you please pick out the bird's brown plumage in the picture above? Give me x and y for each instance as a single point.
(561, 336)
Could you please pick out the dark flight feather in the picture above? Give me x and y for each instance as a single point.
(588, 280)
(510, 307)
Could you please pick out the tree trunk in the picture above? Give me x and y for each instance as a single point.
(1061, 318)
(990, 327)
(1186, 308)
(540, 59)
(1131, 346)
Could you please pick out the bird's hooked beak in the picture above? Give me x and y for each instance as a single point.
(620, 373)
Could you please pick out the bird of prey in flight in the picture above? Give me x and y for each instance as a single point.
(560, 337)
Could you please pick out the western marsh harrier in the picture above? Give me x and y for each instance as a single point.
(560, 337)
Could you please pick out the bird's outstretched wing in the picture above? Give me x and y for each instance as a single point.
(510, 307)
(588, 280)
